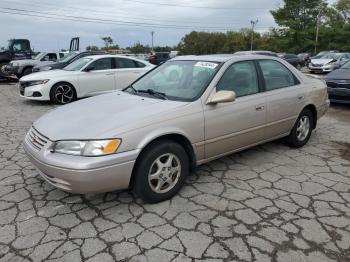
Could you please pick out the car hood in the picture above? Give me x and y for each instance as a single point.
(104, 116)
(341, 74)
(48, 75)
(25, 61)
(321, 61)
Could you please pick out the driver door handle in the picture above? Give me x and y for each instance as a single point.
(109, 74)
(259, 108)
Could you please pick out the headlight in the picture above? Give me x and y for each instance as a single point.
(87, 148)
(36, 82)
(15, 64)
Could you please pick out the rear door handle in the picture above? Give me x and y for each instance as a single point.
(109, 74)
(259, 108)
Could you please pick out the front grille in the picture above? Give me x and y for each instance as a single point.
(317, 65)
(22, 86)
(36, 139)
(339, 84)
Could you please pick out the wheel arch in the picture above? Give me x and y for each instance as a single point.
(313, 110)
(172, 136)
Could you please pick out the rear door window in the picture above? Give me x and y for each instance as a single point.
(123, 63)
(276, 75)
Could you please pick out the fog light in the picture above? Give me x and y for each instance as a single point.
(37, 94)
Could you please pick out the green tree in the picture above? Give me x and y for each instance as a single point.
(92, 48)
(138, 48)
(343, 7)
(297, 20)
(108, 41)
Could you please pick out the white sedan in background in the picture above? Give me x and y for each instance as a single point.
(88, 76)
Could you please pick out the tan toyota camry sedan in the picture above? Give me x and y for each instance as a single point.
(186, 112)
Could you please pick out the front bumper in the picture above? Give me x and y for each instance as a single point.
(81, 174)
(339, 95)
(36, 92)
(321, 69)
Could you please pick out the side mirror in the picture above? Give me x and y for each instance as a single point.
(223, 96)
(89, 68)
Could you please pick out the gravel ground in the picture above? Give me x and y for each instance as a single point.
(269, 203)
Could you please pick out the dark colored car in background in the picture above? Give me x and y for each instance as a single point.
(306, 57)
(159, 57)
(68, 59)
(338, 83)
(293, 59)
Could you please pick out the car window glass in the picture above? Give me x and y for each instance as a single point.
(102, 64)
(276, 75)
(125, 63)
(61, 55)
(180, 80)
(241, 78)
(52, 57)
(18, 47)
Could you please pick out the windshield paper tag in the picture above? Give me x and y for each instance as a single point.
(206, 65)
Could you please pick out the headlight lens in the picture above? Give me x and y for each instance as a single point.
(14, 64)
(37, 82)
(87, 148)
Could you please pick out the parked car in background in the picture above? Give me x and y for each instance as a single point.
(306, 57)
(87, 76)
(25, 66)
(66, 60)
(158, 58)
(293, 59)
(322, 53)
(256, 52)
(328, 62)
(338, 83)
(184, 113)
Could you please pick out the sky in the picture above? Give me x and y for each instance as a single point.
(50, 24)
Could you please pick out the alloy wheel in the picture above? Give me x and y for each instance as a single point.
(64, 94)
(303, 128)
(164, 173)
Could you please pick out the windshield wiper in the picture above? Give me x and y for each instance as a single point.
(154, 93)
(132, 88)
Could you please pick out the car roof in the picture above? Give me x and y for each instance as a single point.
(109, 55)
(219, 57)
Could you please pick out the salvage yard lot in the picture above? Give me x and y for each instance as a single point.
(269, 203)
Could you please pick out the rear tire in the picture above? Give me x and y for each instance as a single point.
(302, 130)
(160, 171)
(62, 93)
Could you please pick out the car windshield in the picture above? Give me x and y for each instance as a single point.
(39, 56)
(67, 56)
(330, 56)
(346, 65)
(77, 65)
(177, 80)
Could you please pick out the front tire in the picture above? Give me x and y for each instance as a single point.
(161, 171)
(302, 129)
(62, 93)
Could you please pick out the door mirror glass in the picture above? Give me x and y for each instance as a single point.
(223, 96)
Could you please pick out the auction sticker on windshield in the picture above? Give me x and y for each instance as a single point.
(206, 65)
